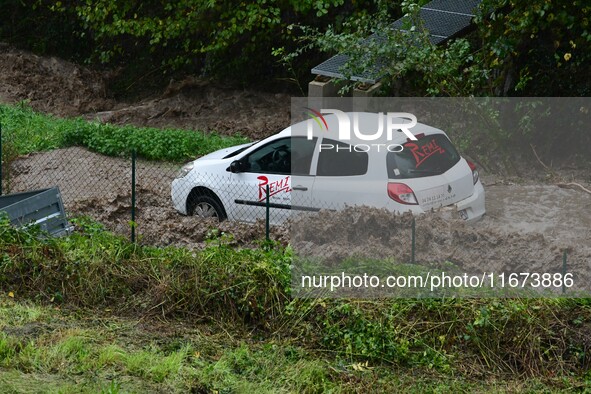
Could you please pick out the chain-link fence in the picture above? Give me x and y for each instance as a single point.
(339, 253)
(144, 200)
(153, 202)
(162, 204)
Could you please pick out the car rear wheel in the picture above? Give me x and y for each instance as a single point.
(204, 206)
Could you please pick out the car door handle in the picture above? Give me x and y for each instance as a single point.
(301, 188)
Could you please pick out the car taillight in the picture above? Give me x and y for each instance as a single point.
(401, 193)
(474, 171)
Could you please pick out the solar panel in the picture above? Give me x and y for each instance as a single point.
(443, 19)
(436, 39)
(331, 67)
(467, 7)
(444, 24)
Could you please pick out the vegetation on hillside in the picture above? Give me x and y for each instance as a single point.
(229, 39)
(535, 48)
(538, 48)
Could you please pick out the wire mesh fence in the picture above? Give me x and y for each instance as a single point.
(133, 196)
(353, 252)
(158, 203)
(89, 184)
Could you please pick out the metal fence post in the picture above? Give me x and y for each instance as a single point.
(267, 208)
(563, 270)
(413, 243)
(133, 157)
(1, 158)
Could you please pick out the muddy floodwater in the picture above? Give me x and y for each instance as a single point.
(527, 228)
(559, 214)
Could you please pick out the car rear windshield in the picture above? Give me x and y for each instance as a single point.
(430, 155)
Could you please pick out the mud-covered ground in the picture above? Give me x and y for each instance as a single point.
(527, 228)
(100, 187)
(55, 86)
(366, 235)
(527, 225)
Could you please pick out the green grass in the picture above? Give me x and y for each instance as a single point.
(94, 268)
(29, 131)
(82, 351)
(248, 290)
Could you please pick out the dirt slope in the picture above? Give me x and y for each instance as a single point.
(49, 84)
(55, 86)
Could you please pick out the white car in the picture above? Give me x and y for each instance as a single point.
(309, 173)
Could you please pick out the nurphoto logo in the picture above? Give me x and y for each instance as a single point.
(388, 123)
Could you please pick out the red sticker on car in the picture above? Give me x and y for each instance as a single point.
(422, 153)
(282, 185)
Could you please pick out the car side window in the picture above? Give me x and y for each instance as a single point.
(302, 151)
(277, 157)
(339, 159)
(272, 158)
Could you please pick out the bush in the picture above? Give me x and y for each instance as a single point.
(250, 288)
(539, 48)
(230, 39)
(94, 268)
(31, 132)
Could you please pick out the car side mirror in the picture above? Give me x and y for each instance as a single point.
(236, 166)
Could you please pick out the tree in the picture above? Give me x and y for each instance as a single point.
(518, 48)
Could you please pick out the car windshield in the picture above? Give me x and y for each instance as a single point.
(238, 151)
(430, 155)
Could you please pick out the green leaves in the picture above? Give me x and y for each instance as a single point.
(220, 35)
(519, 48)
(153, 144)
(543, 45)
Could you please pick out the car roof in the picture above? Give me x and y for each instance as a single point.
(332, 123)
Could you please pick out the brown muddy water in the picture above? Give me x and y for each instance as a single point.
(527, 227)
(559, 214)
